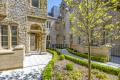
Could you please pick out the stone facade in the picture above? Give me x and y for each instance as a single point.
(58, 36)
(29, 20)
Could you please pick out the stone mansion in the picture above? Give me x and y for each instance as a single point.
(22, 22)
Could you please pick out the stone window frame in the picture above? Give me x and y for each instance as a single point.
(3, 35)
(39, 1)
(9, 45)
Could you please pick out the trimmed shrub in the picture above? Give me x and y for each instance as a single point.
(100, 58)
(100, 67)
(47, 73)
(119, 75)
(58, 51)
(62, 57)
(102, 76)
(69, 66)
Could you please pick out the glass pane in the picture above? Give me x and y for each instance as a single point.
(4, 38)
(14, 35)
(14, 32)
(5, 44)
(14, 27)
(14, 43)
(35, 3)
(4, 30)
(14, 38)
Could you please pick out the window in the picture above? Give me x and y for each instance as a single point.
(14, 35)
(35, 3)
(48, 24)
(48, 37)
(4, 36)
(79, 40)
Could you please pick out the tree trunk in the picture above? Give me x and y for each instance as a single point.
(89, 58)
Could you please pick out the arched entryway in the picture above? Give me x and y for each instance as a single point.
(37, 37)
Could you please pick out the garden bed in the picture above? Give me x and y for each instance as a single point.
(78, 73)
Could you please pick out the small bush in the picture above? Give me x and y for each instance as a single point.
(95, 71)
(69, 66)
(101, 76)
(58, 51)
(58, 76)
(62, 57)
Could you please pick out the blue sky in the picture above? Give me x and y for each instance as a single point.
(51, 3)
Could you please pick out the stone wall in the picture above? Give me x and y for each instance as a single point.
(18, 11)
(12, 59)
(94, 50)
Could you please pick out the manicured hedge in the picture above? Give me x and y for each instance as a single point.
(100, 67)
(95, 58)
(94, 65)
(47, 73)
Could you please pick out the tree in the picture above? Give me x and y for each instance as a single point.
(89, 19)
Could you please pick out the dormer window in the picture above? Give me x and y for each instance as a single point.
(35, 3)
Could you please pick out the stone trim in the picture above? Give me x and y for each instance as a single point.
(6, 52)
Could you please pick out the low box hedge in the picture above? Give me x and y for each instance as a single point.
(99, 58)
(107, 69)
(100, 67)
(47, 73)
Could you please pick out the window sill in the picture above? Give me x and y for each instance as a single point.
(6, 52)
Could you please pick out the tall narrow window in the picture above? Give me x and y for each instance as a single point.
(35, 3)
(4, 36)
(14, 35)
(79, 40)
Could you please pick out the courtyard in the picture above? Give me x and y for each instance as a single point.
(32, 70)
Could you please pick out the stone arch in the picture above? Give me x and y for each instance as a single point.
(36, 37)
(36, 27)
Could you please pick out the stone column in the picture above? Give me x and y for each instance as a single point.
(9, 37)
(0, 39)
(44, 42)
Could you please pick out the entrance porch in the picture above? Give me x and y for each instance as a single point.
(37, 39)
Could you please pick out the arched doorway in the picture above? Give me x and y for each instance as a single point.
(35, 38)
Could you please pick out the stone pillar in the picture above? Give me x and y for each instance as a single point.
(9, 37)
(0, 39)
(28, 42)
(44, 42)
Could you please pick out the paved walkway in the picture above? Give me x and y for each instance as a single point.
(112, 64)
(33, 67)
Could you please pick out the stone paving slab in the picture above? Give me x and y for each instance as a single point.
(33, 67)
